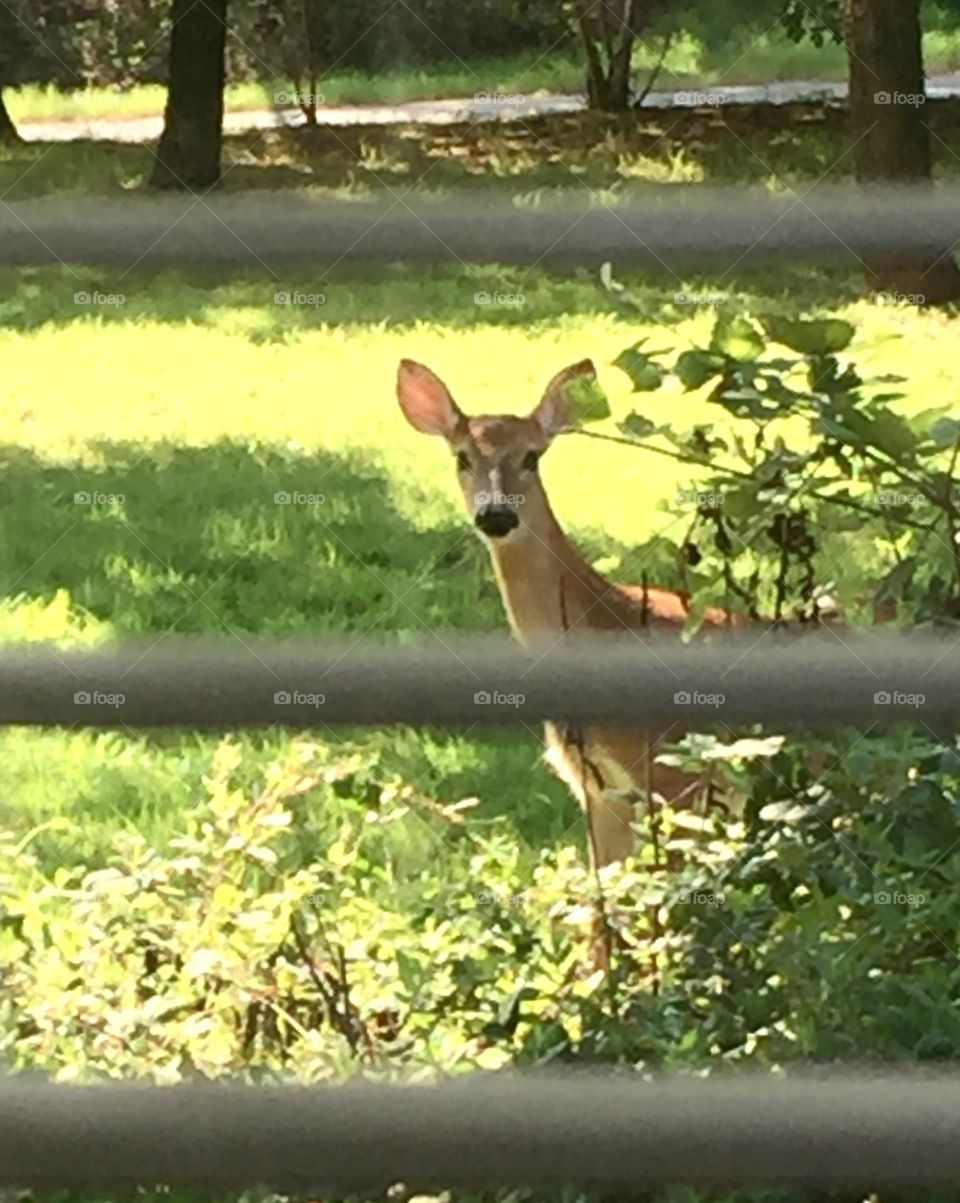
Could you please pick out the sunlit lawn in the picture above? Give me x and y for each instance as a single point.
(198, 398)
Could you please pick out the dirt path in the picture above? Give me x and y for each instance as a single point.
(482, 107)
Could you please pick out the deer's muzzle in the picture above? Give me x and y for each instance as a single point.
(497, 520)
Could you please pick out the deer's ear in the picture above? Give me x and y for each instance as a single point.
(554, 414)
(426, 401)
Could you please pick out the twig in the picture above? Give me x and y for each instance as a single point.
(655, 73)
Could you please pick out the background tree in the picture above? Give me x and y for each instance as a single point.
(38, 44)
(887, 88)
(299, 40)
(608, 32)
(189, 152)
(891, 139)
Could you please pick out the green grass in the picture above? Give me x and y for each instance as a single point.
(198, 398)
(746, 59)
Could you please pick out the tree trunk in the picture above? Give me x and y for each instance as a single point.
(892, 142)
(189, 152)
(608, 39)
(8, 131)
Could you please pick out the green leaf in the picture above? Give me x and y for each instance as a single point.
(645, 375)
(945, 432)
(746, 749)
(923, 421)
(588, 402)
(694, 368)
(810, 336)
(736, 337)
(789, 811)
(896, 580)
(637, 426)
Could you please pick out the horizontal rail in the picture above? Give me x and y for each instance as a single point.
(679, 226)
(595, 1132)
(821, 679)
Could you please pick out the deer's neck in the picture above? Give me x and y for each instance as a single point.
(546, 585)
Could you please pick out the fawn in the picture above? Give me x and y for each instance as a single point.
(551, 592)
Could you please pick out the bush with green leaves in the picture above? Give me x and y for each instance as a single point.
(809, 470)
(822, 925)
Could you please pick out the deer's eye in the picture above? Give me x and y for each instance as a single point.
(530, 461)
(463, 461)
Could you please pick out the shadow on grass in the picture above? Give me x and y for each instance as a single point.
(782, 146)
(271, 307)
(164, 539)
(227, 537)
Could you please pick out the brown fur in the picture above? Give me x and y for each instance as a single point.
(551, 594)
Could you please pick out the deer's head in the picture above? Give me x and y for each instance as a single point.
(497, 455)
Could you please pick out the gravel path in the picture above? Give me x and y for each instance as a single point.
(487, 106)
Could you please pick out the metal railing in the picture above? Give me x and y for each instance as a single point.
(594, 1131)
(820, 679)
(691, 226)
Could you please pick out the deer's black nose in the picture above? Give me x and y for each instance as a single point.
(497, 520)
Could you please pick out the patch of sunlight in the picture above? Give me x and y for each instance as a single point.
(56, 621)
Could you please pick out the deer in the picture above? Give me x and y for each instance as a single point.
(551, 592)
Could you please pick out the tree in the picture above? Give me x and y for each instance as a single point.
(8, 131)
(891, 140)
(608, 31)
(887, 92)
(37, 45)
(302, 41)
(189, 152)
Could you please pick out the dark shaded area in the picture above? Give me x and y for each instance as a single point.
(189, 539)
(459, 295)
(731, 143)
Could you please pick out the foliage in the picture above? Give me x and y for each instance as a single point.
(819, 927)
(305, 39)
(769, 498)
(79, 43)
